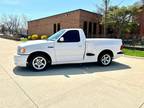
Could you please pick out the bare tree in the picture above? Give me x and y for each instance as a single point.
(24, 25)
(139, 3)
(142, 2)
(2, 29)
(14, 24)
(6, 23)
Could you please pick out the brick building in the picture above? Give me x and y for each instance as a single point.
(88, 21)
(140, 19)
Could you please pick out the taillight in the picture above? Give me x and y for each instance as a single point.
(122, 46)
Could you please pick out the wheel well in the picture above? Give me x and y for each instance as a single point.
(106, 51)
(39, 53)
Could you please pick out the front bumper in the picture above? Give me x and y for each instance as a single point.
(20, 60)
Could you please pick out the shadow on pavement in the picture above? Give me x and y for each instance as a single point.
(71, 69)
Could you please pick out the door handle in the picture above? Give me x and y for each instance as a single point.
(80, 46)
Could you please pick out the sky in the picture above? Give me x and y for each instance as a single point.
(35, 9)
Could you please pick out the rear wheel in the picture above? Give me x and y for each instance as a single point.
(38, 62)
(105, 59)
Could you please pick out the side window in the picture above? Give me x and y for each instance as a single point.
(71, 36)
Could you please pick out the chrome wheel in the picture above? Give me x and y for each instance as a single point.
(39, 63)
(106, 59)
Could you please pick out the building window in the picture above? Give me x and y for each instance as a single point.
(58, 26)
(54, 28)
(90, 28)
(94, 28)
(85, 27)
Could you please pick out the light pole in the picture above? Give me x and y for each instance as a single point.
(106, 2)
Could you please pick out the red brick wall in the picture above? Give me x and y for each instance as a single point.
(140, 19)
(90, 17)
(73, 19)
(45, 25)
(141, 23)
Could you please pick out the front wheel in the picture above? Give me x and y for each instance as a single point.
(38, 62)
(105, 59)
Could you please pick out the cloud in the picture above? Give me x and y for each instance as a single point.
(10, 2)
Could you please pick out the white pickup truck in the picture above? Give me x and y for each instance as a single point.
(67, 46)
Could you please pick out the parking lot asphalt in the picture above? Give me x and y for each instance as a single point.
(120, 85)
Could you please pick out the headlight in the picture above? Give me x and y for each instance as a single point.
(21, 50)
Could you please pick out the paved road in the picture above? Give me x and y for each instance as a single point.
(120, 85)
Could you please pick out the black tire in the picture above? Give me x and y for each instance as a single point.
(33, 59)
(105, 59)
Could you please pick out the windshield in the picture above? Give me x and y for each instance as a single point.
(56, 35)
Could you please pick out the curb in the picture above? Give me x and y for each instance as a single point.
(133, 57)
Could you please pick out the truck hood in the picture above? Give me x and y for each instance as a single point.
(34, 42)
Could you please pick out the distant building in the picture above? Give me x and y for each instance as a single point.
(140, 19)
(88, 21)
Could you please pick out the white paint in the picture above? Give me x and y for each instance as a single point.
(62, 53)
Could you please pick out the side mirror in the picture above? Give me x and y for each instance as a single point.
(61, 39)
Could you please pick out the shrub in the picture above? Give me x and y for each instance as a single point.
(34, 37)
(23, 39)
(44, 37)
(29, 37)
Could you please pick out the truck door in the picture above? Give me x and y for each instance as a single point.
(69, 47)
